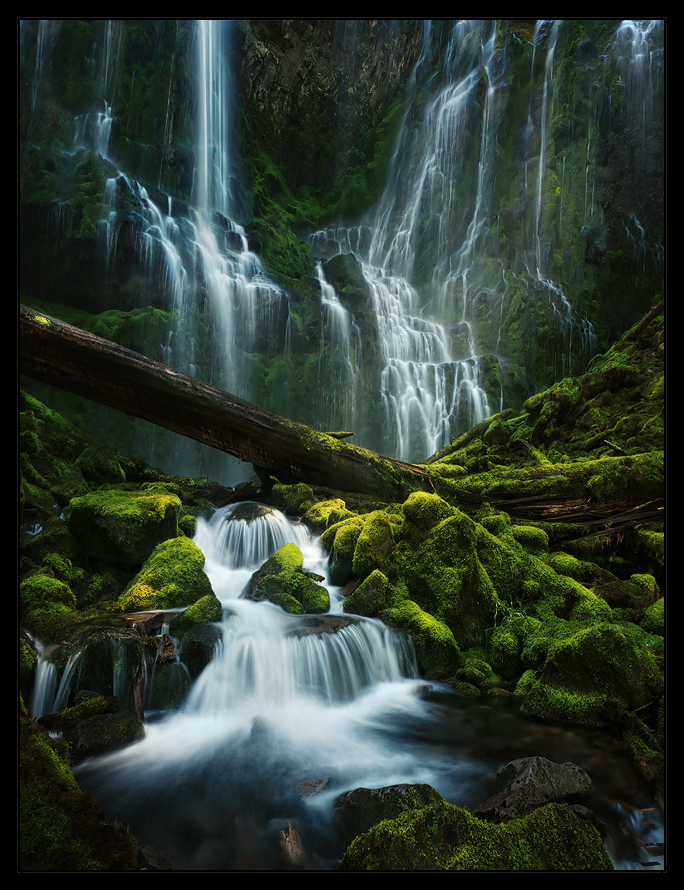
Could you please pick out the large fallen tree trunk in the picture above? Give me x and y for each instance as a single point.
(60, 354)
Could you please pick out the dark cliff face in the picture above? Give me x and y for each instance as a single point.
(320, 88)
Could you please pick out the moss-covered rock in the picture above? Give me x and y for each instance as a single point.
(61, 828)
(438, 653)
(653, 620)
(323, 514)
(283, 580)
(207, 608)
(95, 724)
(294, 500)
(442, 837)
(597, 674)
(172, 577)
(46, 605)
(446, 578)
(340, 539)
(123, 527)
(373, 544)
(370, 597)
(359, 810)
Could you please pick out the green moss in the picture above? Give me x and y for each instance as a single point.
(370, 597)
(207, 608)
(653, 620)
(533, 539)
(447, 838)
(340, 539)
(123, 526)
(373, 544)
(60, 828)
(326, 513)
(477, 671)
(596, 674)
(283, 580)
(437, 651)
(172, 576)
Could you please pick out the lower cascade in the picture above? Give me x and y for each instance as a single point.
(287, 702)
(296, 710)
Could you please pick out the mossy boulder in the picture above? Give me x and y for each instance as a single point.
(436, 649)
(426, 510)
(294, 500)
(445, 577)
(95, 724)
(596, 675)
(475, 673)
(653, 620)
(443, 837)
(60, 827)
(283, 580)
(370, 597)
(534, 540)
(359, 810)
(326, 513)
(47, 605)
(123, 527)
(340, 539)
(207, 608)
(54, 537)
(172, 577)
(373, 544)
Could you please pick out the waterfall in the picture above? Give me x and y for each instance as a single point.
(49, 695)
(293, 711)
(338, 361)
(428, 396)
(285, 700)
(484, 256)
(219, 297)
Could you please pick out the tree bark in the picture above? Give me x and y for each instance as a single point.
(65, 356)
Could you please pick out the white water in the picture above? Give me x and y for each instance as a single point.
(201, 261)
(338, 361)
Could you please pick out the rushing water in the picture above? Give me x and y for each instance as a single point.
(281, 711)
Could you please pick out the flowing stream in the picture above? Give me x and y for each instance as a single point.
(285, 718)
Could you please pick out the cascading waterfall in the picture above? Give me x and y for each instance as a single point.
(214, 286)
(292, 711)
(427, 395)
(281, 703)
(338, 361)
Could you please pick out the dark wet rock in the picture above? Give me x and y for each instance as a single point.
(530, 782)
(361, 809)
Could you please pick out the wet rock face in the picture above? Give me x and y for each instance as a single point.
(296, 71)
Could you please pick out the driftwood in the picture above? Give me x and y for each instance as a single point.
(65, 356)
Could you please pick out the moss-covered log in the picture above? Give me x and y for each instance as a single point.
(65, 356)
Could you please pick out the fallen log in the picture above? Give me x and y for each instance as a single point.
(65, 356)
(466, 438)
